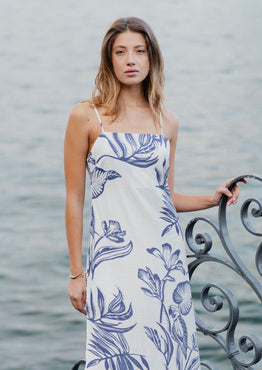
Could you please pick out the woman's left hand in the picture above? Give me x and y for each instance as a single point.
(232, 195)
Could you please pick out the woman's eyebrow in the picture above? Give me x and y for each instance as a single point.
(120, 46)
(124, 47)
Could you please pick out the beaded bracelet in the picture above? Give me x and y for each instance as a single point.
(77, 276)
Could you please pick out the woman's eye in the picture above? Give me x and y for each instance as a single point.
(119, 52)
(141, 51)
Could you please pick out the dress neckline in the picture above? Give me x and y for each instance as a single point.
(133, 133)
(123, 133)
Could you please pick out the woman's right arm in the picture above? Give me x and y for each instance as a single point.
(75, 154)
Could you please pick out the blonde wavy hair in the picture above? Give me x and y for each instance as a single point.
(107, 87)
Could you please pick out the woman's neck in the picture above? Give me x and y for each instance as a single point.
(132, 97)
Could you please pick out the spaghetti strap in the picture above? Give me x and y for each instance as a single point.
(161, 123)
(98, 117)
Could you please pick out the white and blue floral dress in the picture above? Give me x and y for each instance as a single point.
(139, 305)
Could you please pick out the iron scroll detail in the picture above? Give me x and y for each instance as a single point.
(201, 244)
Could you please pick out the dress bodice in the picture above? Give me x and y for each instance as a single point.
(144, 159)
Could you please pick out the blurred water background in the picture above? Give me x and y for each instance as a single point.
(49, 56)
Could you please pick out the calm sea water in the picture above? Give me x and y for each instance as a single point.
(49, 55)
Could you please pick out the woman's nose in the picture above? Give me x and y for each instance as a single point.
(130, 59)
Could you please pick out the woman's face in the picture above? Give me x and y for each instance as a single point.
(130, 58)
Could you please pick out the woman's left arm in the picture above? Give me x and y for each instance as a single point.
(188, 203)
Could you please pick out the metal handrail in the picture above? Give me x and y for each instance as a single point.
(203, 251)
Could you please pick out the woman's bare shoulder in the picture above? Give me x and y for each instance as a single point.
(170, 123)
(82, 118)
(81, 113)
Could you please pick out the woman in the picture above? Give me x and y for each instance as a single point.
(137, 298)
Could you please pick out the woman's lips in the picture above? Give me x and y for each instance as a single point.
(131, 72)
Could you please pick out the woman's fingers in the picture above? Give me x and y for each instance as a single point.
(84, 302)
(232, 195)
(235, 193)
(77, 294)
(79, 304)
(226, 191)
(219, 191)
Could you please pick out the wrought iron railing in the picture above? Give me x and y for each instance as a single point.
(204, 250)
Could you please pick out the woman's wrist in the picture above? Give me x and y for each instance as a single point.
(76, 269)
(213, 202)
(73, 277)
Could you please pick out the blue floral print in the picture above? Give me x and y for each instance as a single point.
(99, 251)
(171, 259)
(99, 177)
(172, 327)
(169, 215)
(162, 177)
(153, 281)
(108, 343)
(168, 211)
(162, 342)
(148, 274)
(141, 152)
